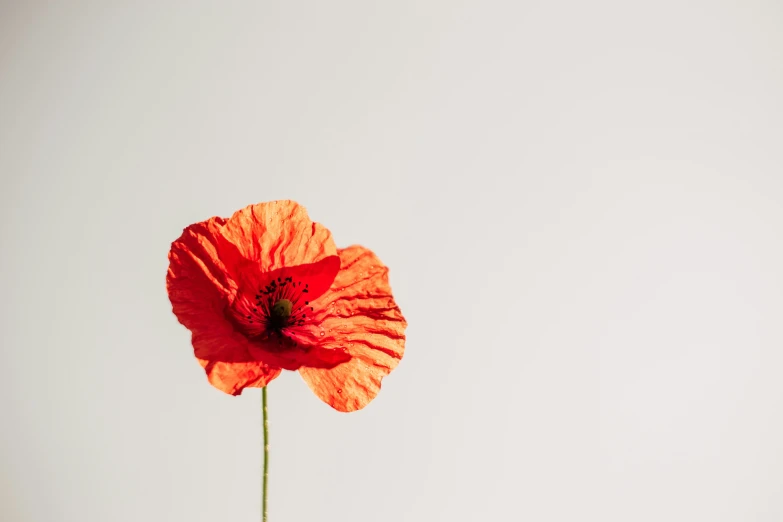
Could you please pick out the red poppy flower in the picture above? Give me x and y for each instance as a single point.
(267, 290)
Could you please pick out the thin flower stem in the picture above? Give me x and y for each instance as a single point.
(265, 486)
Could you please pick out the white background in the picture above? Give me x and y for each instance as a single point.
(580, 203)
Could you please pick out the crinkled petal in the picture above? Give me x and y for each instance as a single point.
(277, 234)
(200, 287)
(359, 315)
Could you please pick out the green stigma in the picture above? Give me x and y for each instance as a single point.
(282, 309)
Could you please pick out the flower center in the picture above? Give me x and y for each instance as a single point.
(279, 314)
(276, 310)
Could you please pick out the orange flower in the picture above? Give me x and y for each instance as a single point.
(267, 290)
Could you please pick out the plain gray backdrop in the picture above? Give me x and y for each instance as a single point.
(580, 203)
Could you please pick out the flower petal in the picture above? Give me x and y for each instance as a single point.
(359, 315)
(199, 288)
(278, 234)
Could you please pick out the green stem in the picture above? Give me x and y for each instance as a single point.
(266, 455)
